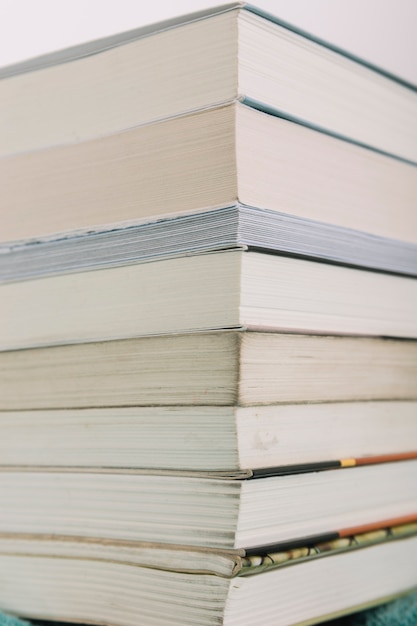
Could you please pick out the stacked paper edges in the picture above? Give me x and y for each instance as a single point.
(208, 358)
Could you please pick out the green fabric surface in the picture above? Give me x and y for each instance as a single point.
(8, 620)
(401, 612)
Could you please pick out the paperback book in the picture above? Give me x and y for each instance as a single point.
(217, 369)
(69, 579)
(229, 289)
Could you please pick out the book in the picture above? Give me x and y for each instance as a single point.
(205, 160)
(227, 289)
(201, 369)
(231, 52)
(234, 227)
(207, 438)
(203, 510)
(85, 581)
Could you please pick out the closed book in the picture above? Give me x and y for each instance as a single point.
(237, 226)
(203, 510)
(63, 578)
(209, 159)
(221, 368)
(229, 289)
(207, 438)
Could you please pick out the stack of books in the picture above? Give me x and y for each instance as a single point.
(208, 366)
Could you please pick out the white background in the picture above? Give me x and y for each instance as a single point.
(383, 32)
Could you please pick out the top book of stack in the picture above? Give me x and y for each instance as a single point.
(233, 52)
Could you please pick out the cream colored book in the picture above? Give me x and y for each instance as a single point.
(207, 438)
(229, 289)
(203, 510)
(125, 583)
(206, 160)
(220, 368)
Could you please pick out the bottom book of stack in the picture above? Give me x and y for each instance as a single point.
(127, 583)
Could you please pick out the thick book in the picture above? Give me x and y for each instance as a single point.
(218, 369)
(234, 227)
(93, 581)
(203, 510)
(208, 438)
(228, 289)
(231, 52)
(205, 160)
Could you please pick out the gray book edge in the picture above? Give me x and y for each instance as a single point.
(232, 227)
(100, 45)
